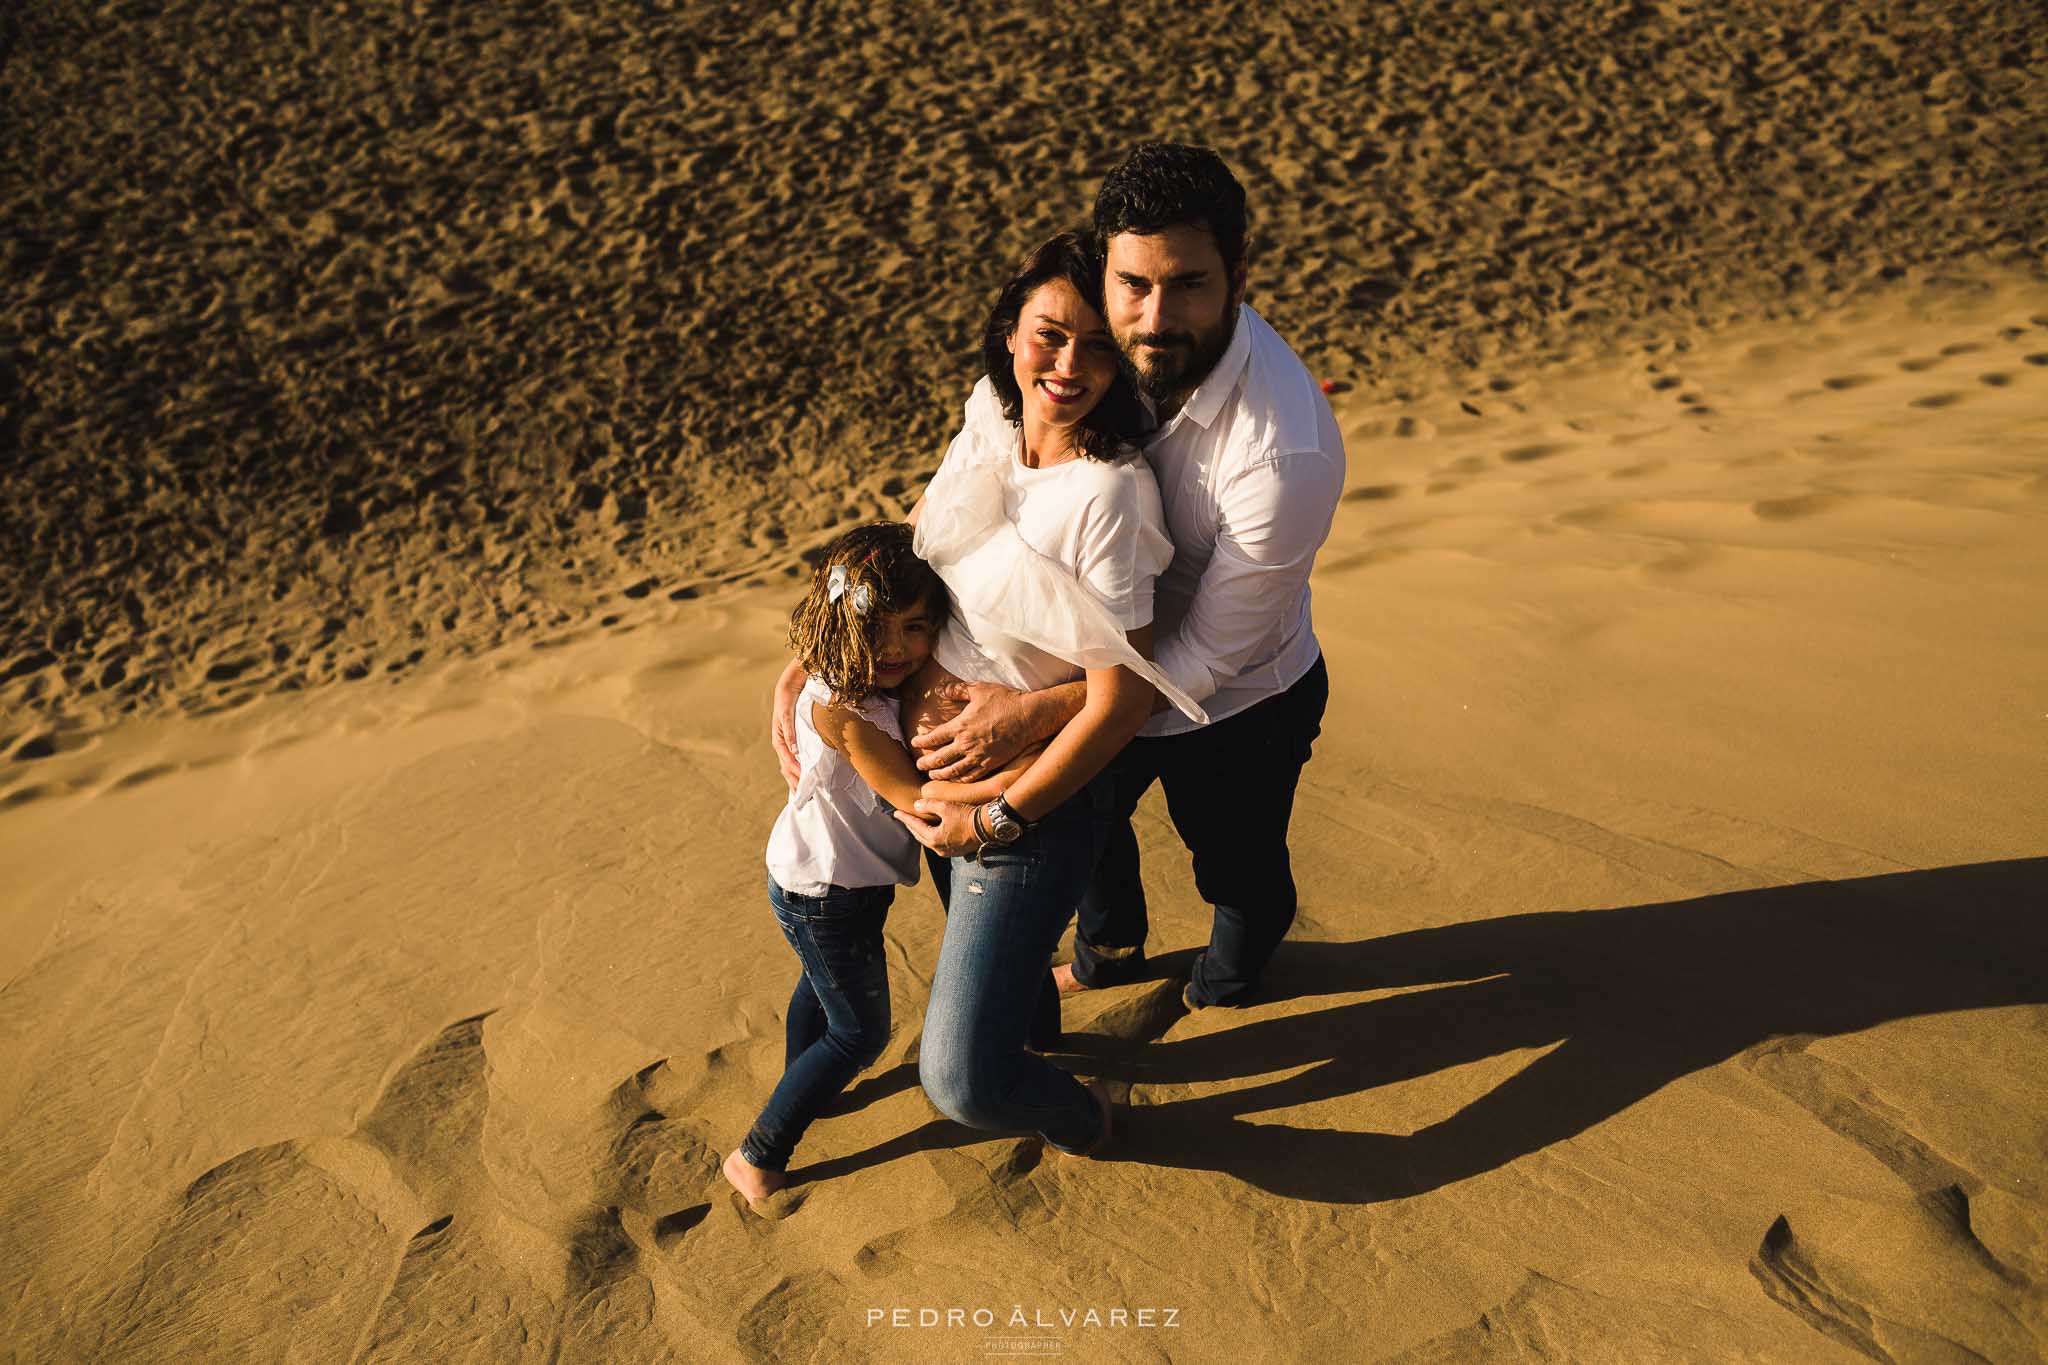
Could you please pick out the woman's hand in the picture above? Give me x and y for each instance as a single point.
(947, 828)
(782, 721)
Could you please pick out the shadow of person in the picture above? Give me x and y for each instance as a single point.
(936, 1135)
(1626, 1001)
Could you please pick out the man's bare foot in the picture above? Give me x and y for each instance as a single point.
(1063, 977)
(749, 1179)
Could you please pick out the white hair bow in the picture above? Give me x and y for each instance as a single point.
(835, 588)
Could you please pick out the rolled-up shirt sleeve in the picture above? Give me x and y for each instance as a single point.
(1274, 516)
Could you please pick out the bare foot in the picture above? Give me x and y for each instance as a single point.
(1063, 977)
(749, 1179)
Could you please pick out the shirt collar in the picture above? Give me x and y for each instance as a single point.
(1215, 389)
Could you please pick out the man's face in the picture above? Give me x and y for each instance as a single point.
(1172, 307)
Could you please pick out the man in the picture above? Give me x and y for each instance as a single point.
(1250, 465)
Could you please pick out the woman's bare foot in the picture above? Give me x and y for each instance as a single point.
(1063, 977)
(749, 1179)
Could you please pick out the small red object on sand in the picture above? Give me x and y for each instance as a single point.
(1329, 385)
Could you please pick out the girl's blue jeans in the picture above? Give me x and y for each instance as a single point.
(838, 1015)
(1005, 911)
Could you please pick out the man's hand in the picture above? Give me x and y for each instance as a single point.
(947, 828)
(992, 730)
(782, 721)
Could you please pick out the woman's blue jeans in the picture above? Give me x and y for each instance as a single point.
(838, 1015)
(1005, 912)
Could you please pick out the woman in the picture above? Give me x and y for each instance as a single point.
(1046, 526)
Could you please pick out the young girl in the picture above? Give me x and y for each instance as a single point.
(837, 852)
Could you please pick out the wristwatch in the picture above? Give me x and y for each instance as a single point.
(998, 823)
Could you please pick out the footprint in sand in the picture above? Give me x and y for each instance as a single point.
(659, 1159)
(1847, 381)
(1665, 381)
(1377, 492)
(1919, 363)
(48, 744)
(1530, 454)
(142, 775)
(671, 1228)
(1936, 400)
(1962, 348)
(1789, 509)
(2037, 358)
(1995, 379)
(325, 1206)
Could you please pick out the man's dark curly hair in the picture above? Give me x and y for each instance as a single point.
(1162, 184)
(1117, 420)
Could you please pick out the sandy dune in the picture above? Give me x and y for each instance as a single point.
(413, 421)
(1668, 981)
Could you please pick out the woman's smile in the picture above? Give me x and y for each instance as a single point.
(1062, 355)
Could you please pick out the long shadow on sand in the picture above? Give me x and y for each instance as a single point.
(1632, 999)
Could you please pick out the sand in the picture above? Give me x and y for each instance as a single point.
(383, 961)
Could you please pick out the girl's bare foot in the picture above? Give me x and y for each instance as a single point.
(749, 1179)
(1063, 977)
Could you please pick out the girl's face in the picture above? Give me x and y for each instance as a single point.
(902, 642)
(1062, 355)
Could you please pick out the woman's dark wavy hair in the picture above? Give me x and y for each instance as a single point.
(1117, 421)
(1163, 184)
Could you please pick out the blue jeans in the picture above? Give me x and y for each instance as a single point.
(838, 1015)
(1004, 915)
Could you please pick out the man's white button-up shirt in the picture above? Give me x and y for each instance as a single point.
(1249, 471)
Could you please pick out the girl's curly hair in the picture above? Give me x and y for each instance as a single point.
(833, 639)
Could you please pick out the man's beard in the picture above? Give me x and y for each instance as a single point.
(1175, 372)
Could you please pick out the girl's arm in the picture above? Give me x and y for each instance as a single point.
(882, 762)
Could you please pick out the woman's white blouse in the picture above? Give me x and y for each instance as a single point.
(1048, 568)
